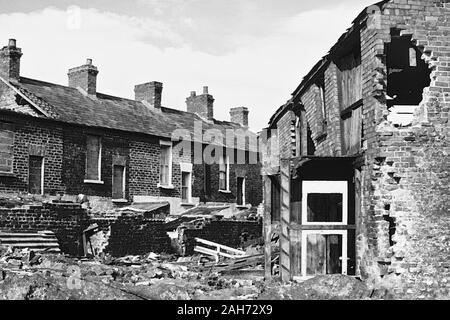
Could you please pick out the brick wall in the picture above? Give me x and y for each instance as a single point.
(231, 233)
(410, 166)
(137, 235)
(66, 220)
(35, 138)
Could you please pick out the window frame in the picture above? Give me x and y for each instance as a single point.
(323, 186)
(304, 253)
(41, 173)
(4, 127)
(100, 151)
(166, 145)
(225, 159)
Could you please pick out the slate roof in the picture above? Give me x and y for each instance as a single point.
(70, 105)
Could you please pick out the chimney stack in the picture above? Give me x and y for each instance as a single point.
(10, 61)
(239, 115)
(202, 105)
(84, 77)
(149, 92)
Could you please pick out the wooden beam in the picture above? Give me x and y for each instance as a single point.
(285, 264)
(267, 228)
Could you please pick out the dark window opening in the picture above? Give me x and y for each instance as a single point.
(408, 73)
(392, 228)
(240, 190)
(324, 207)
(310, 147)
(185, 186)
(322, 103)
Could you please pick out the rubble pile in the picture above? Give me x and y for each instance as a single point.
(25, 274)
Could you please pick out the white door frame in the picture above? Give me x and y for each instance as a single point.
(344, 254)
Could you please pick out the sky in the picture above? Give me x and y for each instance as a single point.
(250, 53)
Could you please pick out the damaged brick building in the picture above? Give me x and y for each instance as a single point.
(356, 165)
(74, 140)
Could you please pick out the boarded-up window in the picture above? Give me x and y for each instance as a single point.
(275, 199)
(223, 173)
(35, 174)
(93, 158)
(165, 165)
(352, 131)
(351, 80)
(118, 187)
(6, 147)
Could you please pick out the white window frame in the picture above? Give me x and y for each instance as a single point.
(325, 187)
(344, 253)
(123, 182)
(42, 175)
(186, 168)
(99, 181)
(227, 176)
(169, 185)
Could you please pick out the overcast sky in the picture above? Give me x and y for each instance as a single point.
(250, 53)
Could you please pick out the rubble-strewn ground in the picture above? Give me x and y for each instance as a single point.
(26, 275)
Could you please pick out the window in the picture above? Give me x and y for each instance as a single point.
(328, 242)
(93, 159)
(6, 147)
(240, 186)
(186, 187)
(36, 175)
(165, 173)
(224, 167)
(324, 202)
(118, 182)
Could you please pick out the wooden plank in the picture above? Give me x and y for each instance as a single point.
(285, 220)
(221, 246)
(296, 251)
(267, 228)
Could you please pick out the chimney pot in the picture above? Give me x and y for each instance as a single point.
(205, 90)
(89, 61)
(193, 93)
(12, 43)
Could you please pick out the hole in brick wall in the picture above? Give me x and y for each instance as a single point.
(392, 228)
(408, 73)
(380, 160)
(387, 207)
